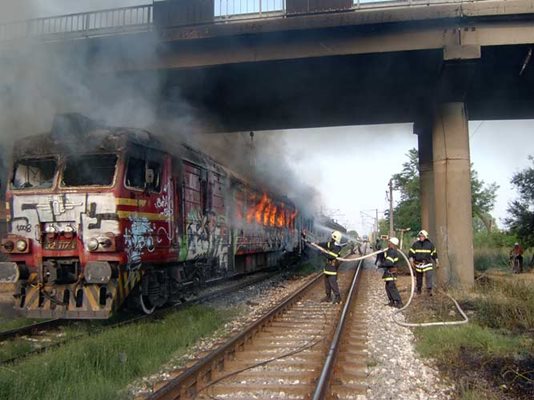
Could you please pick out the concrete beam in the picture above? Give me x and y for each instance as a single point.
(452, 190)
(457, 42)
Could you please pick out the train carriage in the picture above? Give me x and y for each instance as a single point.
(99, 215)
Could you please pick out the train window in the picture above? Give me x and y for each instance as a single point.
(89, 170)
(135, 173)
(34, 173)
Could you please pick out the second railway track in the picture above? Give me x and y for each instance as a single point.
(300, 350)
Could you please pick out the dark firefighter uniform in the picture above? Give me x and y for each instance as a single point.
(330, 270)
(391, 259)
(421, 253)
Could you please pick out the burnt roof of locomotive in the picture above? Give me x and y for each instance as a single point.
(73, 133)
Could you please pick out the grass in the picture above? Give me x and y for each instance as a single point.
(7, 324)
(100, 366)
(505, 304)
(443, 342)
(492, 357)
(497, 258)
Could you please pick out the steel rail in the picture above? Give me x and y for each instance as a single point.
(25, 330)
(323, 382)
(156, 315)
(188, 384)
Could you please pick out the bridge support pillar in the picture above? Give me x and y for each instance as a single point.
(426, 179)
(452, 195)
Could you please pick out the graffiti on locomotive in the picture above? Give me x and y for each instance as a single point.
(126, 219)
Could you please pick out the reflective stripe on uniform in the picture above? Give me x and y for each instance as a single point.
(329, 272)
(393, 260)
(429, 268)
(390, 278)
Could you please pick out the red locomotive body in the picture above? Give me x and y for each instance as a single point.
(108, 214)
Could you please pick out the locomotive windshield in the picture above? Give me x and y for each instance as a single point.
(36, 173)
(89, 170)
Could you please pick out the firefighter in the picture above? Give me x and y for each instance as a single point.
(391, 259)
(332, 249)
(422, 253)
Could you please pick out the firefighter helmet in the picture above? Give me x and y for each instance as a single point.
(394, 240)
(423, 233)
(336, 235)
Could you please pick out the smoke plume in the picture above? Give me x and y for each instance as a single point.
(40, 80)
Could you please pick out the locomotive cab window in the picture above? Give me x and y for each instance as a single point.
(89, 170)
(34, 173)
(143, 175)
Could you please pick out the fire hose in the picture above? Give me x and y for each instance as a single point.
(406, 324)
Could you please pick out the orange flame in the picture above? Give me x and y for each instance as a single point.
(266, 212)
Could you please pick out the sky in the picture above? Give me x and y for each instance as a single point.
(351, 166)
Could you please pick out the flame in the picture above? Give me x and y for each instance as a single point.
(264, 211)
(281, 217)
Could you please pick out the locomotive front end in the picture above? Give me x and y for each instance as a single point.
(63, 230)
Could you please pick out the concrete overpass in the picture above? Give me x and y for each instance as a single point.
(328, 63)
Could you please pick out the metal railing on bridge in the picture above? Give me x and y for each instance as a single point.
(165, 14)
(87, 24)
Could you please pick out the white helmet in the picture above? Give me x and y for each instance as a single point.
(336, 235)
(423, 233)
(394, 240)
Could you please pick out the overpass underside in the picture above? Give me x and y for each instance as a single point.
(355, 89)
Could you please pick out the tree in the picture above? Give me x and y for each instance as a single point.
(483, 199)
(521, 210)
(408, 209)
(407, 212)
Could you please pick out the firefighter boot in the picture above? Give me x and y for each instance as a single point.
(391, 303)
(418, 291)
(429, 292)
(326, 299)
(337, 300)
(398, 304)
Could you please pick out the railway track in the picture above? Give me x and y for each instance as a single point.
(43, 331)
(301, 349)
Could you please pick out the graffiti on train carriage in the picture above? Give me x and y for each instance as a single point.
(128, 217)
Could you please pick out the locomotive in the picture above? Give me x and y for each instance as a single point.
(99, 215)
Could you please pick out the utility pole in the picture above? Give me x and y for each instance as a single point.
(390, 198)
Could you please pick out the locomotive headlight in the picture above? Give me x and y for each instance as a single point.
(68, 232)
(22, 245)
(93, 244)
(50, 232)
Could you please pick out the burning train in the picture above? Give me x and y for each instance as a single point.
(98, 216)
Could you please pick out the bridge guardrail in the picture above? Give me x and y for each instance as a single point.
(86, 24)
(145, 17)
